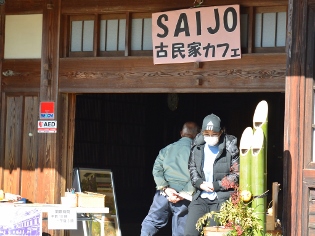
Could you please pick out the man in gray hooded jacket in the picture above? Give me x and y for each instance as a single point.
(170, 172)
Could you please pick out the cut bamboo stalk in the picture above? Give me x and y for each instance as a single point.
(260, 120)
(245, 159)
(258, 176)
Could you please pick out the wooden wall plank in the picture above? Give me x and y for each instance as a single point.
(308, 214)
(22, 75)
(63, 142)
(66, 139)
(29, 149)
(70, 137)
(12, 161)
(2, 141)
(309, 93)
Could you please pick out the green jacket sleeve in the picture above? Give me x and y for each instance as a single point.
(158, 170)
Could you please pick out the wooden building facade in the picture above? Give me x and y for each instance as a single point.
(77, 58)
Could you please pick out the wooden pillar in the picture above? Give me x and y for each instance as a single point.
(294, 118)
(2, 24)
(48, 174)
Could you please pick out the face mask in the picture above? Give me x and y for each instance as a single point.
(211, 141)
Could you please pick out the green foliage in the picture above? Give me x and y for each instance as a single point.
(235, 215)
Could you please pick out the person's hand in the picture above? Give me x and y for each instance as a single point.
(174, 199)
(206, 186)
(170, 192)
(172, 195)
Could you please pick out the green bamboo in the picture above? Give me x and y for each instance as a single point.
(245, 159)
(258, 176)
(260, 120)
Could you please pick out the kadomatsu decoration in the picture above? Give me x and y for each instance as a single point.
(235, 215)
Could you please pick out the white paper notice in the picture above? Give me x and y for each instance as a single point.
(62, 218)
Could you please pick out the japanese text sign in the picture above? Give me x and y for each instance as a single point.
(62, 218)
(196, 34)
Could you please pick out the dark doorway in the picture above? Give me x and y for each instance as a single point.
(124, 133)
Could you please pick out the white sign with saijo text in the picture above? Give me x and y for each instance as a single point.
(196, 34)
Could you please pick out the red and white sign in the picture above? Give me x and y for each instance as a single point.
(47, 126)
(47, 110)
(196, 34)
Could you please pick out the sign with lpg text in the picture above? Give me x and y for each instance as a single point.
(196, 34)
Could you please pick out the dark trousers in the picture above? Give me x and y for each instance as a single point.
(197, 209)
(159, 213)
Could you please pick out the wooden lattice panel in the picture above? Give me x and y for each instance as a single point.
(311, 222)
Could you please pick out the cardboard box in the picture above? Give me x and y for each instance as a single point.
(90, 199)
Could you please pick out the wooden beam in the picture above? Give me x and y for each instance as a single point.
(128, 35)
(251, 30)
(294, 118)
(48, 190)
(94, 6)
(253, 73)
(2, 26)
(24, 7)
(96, 36)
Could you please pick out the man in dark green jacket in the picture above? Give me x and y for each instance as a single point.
(171, 175)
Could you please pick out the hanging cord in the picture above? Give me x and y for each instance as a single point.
(262, 195)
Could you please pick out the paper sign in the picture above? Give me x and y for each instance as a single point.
(196, 34)
(21, 221)
(62, 218)
(47, 126)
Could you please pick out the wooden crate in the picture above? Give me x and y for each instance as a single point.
(90, 199)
